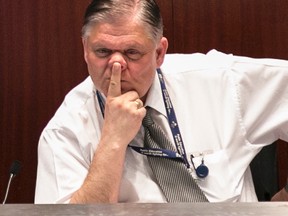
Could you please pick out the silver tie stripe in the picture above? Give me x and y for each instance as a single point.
(173, 177)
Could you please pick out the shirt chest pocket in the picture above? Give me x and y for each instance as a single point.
(221, 184)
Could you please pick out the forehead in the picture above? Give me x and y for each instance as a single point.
(124, 34)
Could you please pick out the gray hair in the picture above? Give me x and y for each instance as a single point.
(145, 12)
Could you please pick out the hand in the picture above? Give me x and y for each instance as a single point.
(282, 195)
(123, 112)
(123, 119)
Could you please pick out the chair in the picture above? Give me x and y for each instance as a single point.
(265, 173)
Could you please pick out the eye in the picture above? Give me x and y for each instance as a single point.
(133, 54)
(102, 52)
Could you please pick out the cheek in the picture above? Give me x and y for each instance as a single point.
(147, 69)
(142, 72)
(144, 78)
(95, 65)
(96, 69)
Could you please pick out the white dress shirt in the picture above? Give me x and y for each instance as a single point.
(227, 107)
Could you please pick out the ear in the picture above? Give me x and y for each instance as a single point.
(161, 51)
(85, 49)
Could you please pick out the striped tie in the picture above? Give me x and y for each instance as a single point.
(173, 177)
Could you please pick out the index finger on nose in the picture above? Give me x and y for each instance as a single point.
(114, 89)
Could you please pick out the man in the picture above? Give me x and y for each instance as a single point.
(93, 149)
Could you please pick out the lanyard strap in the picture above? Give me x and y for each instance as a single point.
(178, 141)
(172, 119)
(101, 102)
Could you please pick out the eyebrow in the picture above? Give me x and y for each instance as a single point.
(106, 44)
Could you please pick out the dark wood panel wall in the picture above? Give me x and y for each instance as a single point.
(41, 60)
(257, 28)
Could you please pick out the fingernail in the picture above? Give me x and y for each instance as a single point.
(116, 65)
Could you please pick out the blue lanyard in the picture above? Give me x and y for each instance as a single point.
(101, 102)
(178, 141)
(165, 153)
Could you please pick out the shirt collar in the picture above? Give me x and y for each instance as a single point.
(154, 98)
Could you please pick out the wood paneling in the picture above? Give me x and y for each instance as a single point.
(256, 28)
(166, 7)
(41, 60)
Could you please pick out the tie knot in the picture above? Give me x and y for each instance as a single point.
(147, 121)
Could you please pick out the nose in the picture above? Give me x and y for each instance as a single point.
(118, 57)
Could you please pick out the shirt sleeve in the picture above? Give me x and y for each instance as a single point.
(61, 167)
(262, 96)
(67, 145)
